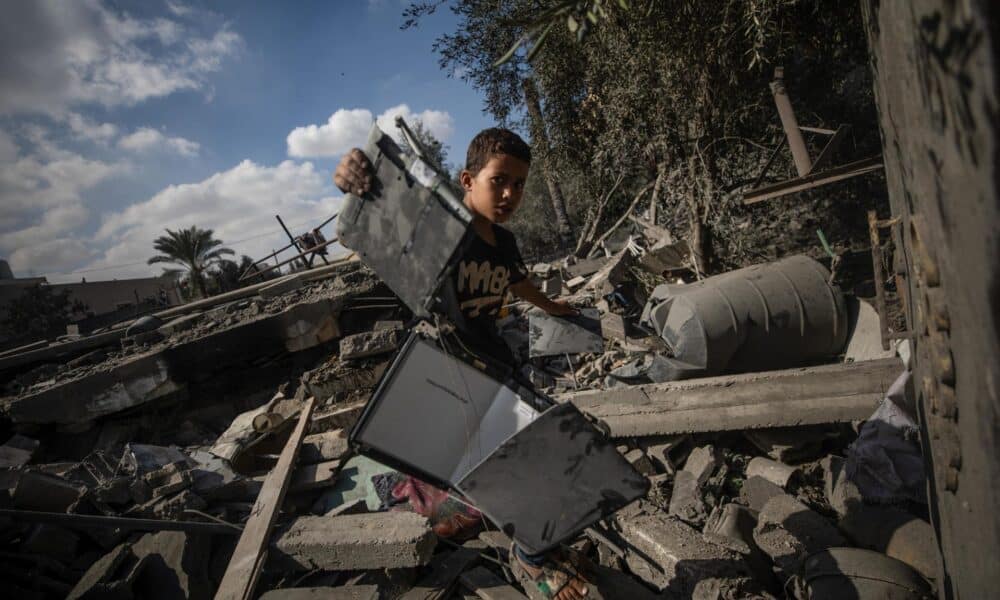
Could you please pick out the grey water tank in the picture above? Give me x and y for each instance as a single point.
(764, 317)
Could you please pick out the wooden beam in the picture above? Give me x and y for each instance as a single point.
(244, 567)
(813, 180)
(805, 396)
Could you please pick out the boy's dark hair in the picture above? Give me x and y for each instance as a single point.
(492, 141)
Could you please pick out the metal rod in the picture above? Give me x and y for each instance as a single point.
(813, 180)
(879, 283)
(297, 256)
(89, 521)
(770, 162)
(800, 154)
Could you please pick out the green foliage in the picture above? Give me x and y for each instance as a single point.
(436, 150)
(678, 88)
(39, 310)
(194, 249)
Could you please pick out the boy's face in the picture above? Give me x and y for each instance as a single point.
(494, 193)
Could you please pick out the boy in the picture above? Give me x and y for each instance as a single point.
(496, 168)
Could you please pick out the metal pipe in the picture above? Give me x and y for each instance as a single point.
(800, 154)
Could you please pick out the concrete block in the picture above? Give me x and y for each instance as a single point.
(701, 463)
(280, 287)
(756, 491)
(731, 526)
(895, 533)
(613, 326)
(638, 459)
(383, 540)
(685, 499)
(168, 480)
(673, 558)
(370, 343)
(788, 531)
(777, 473)
(347, 592)
(319, 447)
(46, 493)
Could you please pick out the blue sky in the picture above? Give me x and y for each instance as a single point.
(118, 119)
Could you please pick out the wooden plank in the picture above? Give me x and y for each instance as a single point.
(488, 586)
(241, 575)
(805, 396)
(446, 569)
(812, 180)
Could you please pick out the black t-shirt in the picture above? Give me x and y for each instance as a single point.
(481, 279)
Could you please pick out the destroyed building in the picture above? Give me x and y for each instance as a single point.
(774, 417)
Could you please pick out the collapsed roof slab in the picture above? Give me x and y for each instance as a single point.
(804, 396)
(148, 377)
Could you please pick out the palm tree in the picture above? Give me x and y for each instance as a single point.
(193, 248)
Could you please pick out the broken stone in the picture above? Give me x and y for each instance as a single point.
(114, 491)
(319, 447)
(370, 343)
(673, 558)
(369, 541)
(638, 459)
(789, 531)
(383, 325)
(144, 458)
(841, 492)
(169, 479)
(576, 282)
(613, 326)
(685, 499)
(340, 417)
(777, 473)
(788, 444)
(46, 493)
(756, 491)
(171, 508)
(731, 526)
(17, 451)
(701, 463)
(346, 592)
(895, 533)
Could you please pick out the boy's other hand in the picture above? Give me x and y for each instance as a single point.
(354, 173)
(561, 308)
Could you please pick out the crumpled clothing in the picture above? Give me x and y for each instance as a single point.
(886, 462)
(448, 517)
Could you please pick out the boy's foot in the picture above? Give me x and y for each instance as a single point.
(561, 577)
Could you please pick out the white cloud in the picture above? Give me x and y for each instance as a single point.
(55, 54)
(348, 128)
(178, 8)
(8, 148)
(41, 205)
(146, 139)
(87, 129)
(237, 204)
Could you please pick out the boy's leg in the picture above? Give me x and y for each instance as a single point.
(554, 575)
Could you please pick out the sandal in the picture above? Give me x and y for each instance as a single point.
(548, 580)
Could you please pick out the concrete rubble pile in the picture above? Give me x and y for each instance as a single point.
(132, 469)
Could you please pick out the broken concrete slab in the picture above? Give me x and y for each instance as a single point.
(336, 417)
(673, 557)
(345, 592)
(841, 492)
(895, 533)
(282, 286)
(17, 451)
(809, 395)
(777, 473)
(171, 507)
(789, 531)
(111, 576)
(176, 566)
(168, 479)
(789, 444)
(164, 371)
(369, 541)
(370, 343)
(46, 493)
